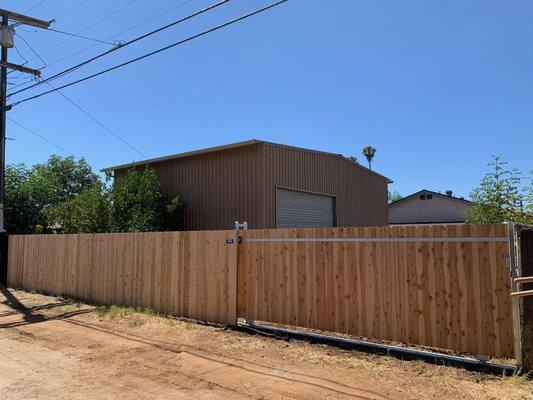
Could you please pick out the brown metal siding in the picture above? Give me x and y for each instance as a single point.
(220, 187)
(239, 184)
(361, 195)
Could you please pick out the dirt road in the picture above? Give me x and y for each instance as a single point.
(52, 348)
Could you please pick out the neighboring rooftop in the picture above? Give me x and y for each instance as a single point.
(227, 147)
(448, 195)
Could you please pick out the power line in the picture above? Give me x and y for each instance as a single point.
(90, 26)
(80, 36)
(21, 56)
(190, 38)
(98, 122)
(120, 33)
(152, 18)
(39, 136)
(66, 40)
(34, 7)
(64, 72)
(70, 10)
(31, 48)
(108, 38)
(21, 76)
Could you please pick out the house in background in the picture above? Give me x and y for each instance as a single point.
(269, 185)
(427, 207)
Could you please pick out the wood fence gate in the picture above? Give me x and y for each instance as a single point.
(438, 286)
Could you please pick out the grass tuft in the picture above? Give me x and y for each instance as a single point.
(128, 314)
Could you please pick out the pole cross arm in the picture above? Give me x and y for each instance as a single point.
(25, 19)
(20, 68)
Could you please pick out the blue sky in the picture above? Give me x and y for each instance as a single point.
(436, 87)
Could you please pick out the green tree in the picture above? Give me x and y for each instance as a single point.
(88, 212)
(139, 204)
(17, 220)
(174, 214)
(499, 197)
(27, 196)
(31, 192)
(72, 176)
(393, 196)
(529, 195)
(369, 153)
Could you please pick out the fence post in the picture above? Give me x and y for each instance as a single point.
(4, 247)
(526, 315)
(240, 227)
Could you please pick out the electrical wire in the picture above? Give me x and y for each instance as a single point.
(39, 136)
(80, 36)
(21, 84)
(121, 32)
(31, 48)
(79, 65)
(34, 7)
(20, 75)
(107, 39)
(70, 10)
(190, 38)
(90, 26)
(21, 56)
(98, 122)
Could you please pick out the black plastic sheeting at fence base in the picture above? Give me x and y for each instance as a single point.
(383, 349)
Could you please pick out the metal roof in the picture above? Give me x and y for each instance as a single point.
(227, 147)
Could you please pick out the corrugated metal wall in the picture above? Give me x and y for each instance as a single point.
(220, 187)
(361, 195)
(239, 184)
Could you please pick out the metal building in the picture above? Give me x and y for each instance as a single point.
(269, 185)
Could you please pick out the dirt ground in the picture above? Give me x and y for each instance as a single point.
(55, 348)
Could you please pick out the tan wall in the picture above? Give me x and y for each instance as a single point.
(437, 210)
(450, 295)
(361, 196)
(189, 274)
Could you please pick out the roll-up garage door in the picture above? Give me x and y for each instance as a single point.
(296, 209)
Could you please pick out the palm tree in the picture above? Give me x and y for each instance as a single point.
(368, 152)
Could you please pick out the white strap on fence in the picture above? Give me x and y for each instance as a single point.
(378, 240)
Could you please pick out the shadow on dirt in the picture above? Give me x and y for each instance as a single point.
(29, 315)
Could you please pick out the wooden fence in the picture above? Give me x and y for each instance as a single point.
(191, 274)
(438, 286)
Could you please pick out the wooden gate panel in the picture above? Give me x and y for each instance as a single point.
(444, 286)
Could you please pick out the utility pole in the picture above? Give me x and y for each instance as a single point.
(3, 92)
(6, 36)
